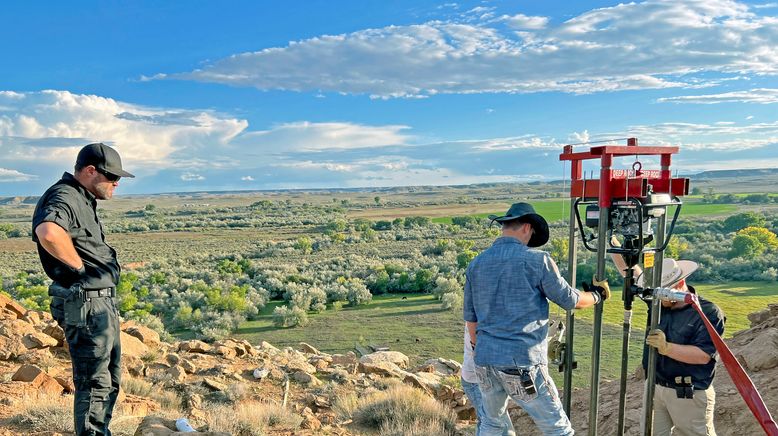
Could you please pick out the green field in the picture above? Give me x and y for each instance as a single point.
(554, 210)
(418, 327)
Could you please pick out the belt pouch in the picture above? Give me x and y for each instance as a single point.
(76, 308)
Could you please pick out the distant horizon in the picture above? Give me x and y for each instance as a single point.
(372, 188)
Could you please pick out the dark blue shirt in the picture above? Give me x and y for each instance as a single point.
(507, 289)
(685, 327)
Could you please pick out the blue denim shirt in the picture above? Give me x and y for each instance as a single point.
(507, 289)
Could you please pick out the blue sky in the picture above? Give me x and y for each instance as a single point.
(201, 95)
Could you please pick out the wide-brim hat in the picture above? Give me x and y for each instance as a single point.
(526, 213)
(673, 271)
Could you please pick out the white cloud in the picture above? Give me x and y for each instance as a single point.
(247, 179)
(9, 175)
(652, 44)
(721, 136)
(521, 21)
(191, 177)
(51, 126)
(321, 136)
(759, 95)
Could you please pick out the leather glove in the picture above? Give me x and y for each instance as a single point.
(600, 288)
(658, 340)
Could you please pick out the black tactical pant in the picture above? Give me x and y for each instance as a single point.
(95, 351)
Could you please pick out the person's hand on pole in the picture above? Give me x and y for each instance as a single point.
(656, 338)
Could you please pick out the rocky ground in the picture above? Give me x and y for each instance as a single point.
(239, 388)
(306, 391)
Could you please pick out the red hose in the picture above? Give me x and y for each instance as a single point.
(742, 381)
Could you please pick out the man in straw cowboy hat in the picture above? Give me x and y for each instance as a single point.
(507, 289)
(684, 397)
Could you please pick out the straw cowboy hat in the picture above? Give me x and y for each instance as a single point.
(673, 271)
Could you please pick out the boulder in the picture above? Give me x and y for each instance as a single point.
(267, 346)
(26, 373)
(146, 335)
(762, 352)
(11, 348)
(228, 353)
(38, 379)
(310, 349)
(394, 357)
(13, 306)
(156, 426)
(344, 359)
(39, 340)
(297, 365)
(56, 332)
(194, 346)
(306, 379)
(132, 346)
(188, 366)
(16, 327)
(214, 385)
(66, 383)
(384, 369)
(177, 373)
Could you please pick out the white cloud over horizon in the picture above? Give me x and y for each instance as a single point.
(175, 149)
(758, 95)
(648, 45)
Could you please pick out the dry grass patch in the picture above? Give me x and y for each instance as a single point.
(252, 418)
(403, 410)
(44, 413)
(167, 400)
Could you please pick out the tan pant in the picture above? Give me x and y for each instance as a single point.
(683, 416)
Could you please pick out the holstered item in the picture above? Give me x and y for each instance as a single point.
(684, 387)
(75, 306)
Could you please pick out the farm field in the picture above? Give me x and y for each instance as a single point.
(554, 210)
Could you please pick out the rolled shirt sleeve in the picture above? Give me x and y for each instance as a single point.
(554, 286)
(57, 211)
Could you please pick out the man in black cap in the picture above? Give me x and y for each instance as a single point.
(507, 289)
(85, 271)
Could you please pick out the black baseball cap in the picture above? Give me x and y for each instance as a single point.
(526, 213)
(103, 158)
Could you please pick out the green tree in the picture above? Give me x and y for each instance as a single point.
(377, 200)
(746, 246)
(764, 236)
(743, 220)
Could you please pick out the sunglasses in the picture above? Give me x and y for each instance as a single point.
(108, 176)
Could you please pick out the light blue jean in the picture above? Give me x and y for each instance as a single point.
(474, 395)
(544, 407)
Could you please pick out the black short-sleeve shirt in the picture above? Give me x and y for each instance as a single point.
(69, 205)
(684, 326)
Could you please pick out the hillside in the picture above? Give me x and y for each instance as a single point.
(237, 387)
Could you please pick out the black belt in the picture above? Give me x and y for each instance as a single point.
(681, 390)
(95, 293)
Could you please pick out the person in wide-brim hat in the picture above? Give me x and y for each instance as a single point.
(673, 272)
(524, 212)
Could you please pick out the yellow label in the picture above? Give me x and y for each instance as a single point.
(648, 260)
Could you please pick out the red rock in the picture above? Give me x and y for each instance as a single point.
(12, 305)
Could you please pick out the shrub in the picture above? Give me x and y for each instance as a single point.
(452, 301)
(404, 408)
(284, 316)
(250, 418)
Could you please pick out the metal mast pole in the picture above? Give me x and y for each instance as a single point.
(572, 263)
(602, 240)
